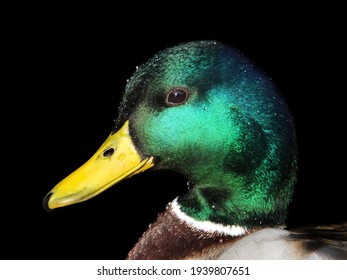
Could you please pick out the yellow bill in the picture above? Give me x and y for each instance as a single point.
(115, 160)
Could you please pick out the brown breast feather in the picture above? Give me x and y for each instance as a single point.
(170, 238)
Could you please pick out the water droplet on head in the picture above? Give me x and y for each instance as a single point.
(190, 184)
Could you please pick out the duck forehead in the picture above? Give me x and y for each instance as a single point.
(195, 63)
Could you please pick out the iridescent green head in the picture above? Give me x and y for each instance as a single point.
(204, 110)
(207, 112)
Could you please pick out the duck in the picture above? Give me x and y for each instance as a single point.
(206, 111)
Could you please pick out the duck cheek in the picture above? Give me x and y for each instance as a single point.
(162, 135)
(249, 151)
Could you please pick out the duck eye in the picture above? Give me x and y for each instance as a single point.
(177, 97)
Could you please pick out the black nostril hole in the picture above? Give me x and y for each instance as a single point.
(108, 152)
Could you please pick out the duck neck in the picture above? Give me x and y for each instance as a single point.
(176, 235)
(207, 226)
(221, 205)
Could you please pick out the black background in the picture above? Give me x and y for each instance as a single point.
(64, 67)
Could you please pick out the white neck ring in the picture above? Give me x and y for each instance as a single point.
(206, 226)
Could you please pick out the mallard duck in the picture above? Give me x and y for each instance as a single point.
(204, 110)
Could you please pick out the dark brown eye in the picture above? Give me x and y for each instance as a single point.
(177, 97)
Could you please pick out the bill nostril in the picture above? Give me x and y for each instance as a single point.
(108, 152)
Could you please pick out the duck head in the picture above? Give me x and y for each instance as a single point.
(204, 110)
